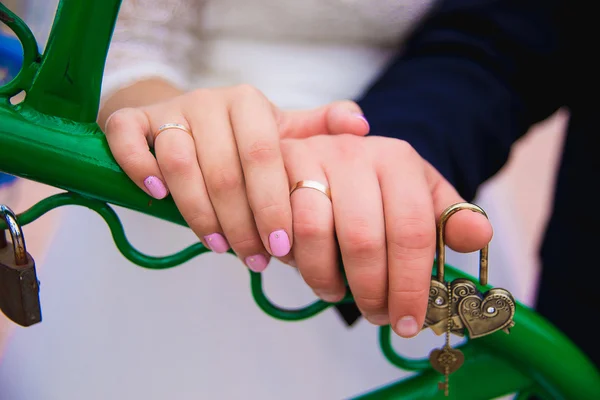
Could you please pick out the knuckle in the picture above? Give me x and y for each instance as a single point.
(261, 152)
(245, 243)
(362, 244)
(371, 302)
(411, 235)
(380, 318)
(409, 294)
(120, 119)
(245, 90)
(130, 158)
(224, 180)
(363, 248)
(275, 213)
(178, 162)
(399, 148)
(201, 98)
(369, 286)
(201, 94)
(308, 227)
(311, 231)
(202, 222)
(318, 280)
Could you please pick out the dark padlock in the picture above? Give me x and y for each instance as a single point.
(19, 287)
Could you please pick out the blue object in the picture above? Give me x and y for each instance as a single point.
(11, 59)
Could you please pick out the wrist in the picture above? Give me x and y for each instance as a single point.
(142, 93)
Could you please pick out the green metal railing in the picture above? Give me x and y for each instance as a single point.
(52, 137)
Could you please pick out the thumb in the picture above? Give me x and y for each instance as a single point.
(465, 231)
(332, 119)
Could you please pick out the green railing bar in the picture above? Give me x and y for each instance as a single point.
(116, 228)
(31, 55)
(73, 157)
(407, 364)
(69, 79)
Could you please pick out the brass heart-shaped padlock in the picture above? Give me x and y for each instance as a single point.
(488, 313)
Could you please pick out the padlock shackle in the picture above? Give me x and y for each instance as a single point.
(16, 234)
(441, 243)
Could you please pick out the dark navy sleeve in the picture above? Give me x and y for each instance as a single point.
(469, 82)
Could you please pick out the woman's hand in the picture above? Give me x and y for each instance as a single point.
(227, 175)
(382, 217)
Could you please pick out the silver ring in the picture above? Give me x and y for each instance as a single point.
(165, 127)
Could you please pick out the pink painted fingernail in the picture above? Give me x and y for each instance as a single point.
(257, 263)
(407, 327)
(155, 186)
(362, 118)
(216, 242)
(279, 242)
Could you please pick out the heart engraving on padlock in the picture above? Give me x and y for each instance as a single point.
(461, 288)
(437, 314)
(488, 313)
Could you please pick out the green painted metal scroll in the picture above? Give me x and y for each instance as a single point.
(52, 137)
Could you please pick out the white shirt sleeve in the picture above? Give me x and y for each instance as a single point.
(152, 39)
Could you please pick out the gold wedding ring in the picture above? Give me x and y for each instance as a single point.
(165, 127)
(312, 185)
